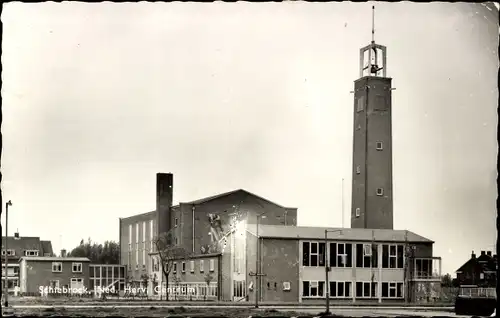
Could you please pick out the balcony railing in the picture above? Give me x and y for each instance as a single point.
(478, 292)
(426, 275)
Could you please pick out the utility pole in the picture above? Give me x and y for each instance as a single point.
(9, 203)
(327, 269)
(257, 273)
(406, 267)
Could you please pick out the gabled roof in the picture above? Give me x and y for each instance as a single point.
(348, 234)
(47, 247)
(24, 243)
(221, 195)
(214, 197)
(484, 262)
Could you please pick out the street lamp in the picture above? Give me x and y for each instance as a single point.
(327, 269)
(9, 203)
(258, 274)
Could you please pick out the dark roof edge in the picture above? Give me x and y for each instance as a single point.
(137, 215)
(335, 239)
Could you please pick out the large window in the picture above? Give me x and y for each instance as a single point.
(340, 254)
(340, 289)
(313, 288)
(423, 268)
(366, 255)
(392, 290)
(313, 254)
(366, 289)
(392, 256)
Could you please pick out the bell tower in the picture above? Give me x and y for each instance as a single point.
(372, 204)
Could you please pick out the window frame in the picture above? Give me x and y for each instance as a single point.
(174, 268)
(10, 252)
(358, 169)
(286, 286)
(183, 267)
(360, 104)
(395, 286)
(212, 265)
(380, 192)
(358, 212)
(176, 222)
(191, 266)
(32, 253)
(379, 145)
(366, 285)
(78, 265)
(393, 257)
(343, 256)
(317, 285)
(202, 266)
(55, 264)
(320, 258)
(346, 286)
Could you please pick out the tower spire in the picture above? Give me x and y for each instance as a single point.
(372, 58)
(373, 24)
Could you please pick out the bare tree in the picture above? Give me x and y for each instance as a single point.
(168, 254)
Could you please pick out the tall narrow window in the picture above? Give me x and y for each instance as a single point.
(305, 288)
(305, 254)
(151, 235)
(385, 256)
(361, 104)
(392, 256)
(130, 235)
(358, 212)
(314, 254)
(400, 256)
(358, 169)
(333, 254)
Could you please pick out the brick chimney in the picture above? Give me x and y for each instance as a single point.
(488, 253)
(63, 253)
(473, 255)
(483, 253)
(164, 197)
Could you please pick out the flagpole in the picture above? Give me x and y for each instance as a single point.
(343, 203)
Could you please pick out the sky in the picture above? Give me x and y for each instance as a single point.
(98, 98)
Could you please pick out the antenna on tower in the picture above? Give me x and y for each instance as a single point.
(373, 24)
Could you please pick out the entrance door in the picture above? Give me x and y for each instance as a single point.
(239, 290)
(76, 285)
